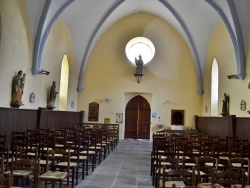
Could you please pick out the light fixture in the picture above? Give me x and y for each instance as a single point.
(44, 72)
(107, 100)
(139, 51)
(138, 77)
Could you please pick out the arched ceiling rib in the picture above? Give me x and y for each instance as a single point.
(87, 20)
(50, 13)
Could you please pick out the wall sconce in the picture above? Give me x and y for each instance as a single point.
(234, 76)
(44, 72)
(107, 100)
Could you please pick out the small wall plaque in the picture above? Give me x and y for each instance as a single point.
(93, 111)
(119, 118)
(32, 97)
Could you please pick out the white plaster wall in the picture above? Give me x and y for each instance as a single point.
(16, 53)
(222, 48)
(171, 76)
(16, 48)
(57, 44)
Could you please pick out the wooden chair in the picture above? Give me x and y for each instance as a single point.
(60, 138)
(36, 141)
(100, 146)
(238, 165)
(2, 140)
(92, 153)
(104, 143)
(26, 153)
(162, 149)
(167, 163)
(177, 176)
(53, 173)
(5, 151)
(114, 134)
(207, 147)
(228, 179)
(18, 139)
(93, 146)
(235, 149)
(178, 142)
(204, 167)
(192, 149)
(5, 181)
(75, 157)
(84, 152)
(23, 169)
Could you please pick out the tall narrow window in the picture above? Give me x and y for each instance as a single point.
(63, 94)
(214, 88)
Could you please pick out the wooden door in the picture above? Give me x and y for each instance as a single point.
(137, 118)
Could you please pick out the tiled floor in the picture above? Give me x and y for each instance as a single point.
(128, 166)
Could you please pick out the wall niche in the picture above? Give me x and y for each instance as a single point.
(177, 117)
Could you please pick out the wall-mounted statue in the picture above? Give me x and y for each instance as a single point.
(17, 89)
(243, 105)
(52, 96)
(225, 105)
(139, 64)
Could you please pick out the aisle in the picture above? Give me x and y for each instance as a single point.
(128, 166)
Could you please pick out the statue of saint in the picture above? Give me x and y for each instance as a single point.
(139, 64)
(17, 89)
(225, 105)
(52, 96)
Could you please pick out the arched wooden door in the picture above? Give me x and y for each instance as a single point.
(137, 118)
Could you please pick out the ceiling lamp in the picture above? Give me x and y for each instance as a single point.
(139, 51)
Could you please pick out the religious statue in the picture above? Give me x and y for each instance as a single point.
(225, 105)
(52, 96)
(17, 89)
(243, 105)
(139, 64)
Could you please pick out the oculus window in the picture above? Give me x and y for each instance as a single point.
(140, 46)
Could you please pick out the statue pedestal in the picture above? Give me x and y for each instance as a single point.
(16, 104)
(50, 105)
(224, 114)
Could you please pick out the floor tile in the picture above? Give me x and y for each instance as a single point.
(128, 166)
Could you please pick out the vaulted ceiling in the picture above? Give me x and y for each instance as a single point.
(195, 20)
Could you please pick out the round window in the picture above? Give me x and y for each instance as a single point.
(140, 46)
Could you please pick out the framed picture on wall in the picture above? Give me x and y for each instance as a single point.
(93, 111)
(119, 118)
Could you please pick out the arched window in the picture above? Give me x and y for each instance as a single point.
(63, 94)
(214, 88)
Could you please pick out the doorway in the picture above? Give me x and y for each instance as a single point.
(137, 118)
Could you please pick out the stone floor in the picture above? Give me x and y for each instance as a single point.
(128, 166)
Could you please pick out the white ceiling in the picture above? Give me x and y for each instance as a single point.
(195, 20)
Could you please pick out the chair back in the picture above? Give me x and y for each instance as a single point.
(2, 140)
(178, 175)
(5, 152)
(229, 178)
(5, 181)
(18, 139)
(204, 167)
(26, 165)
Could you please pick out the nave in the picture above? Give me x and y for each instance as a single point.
(128, 166)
